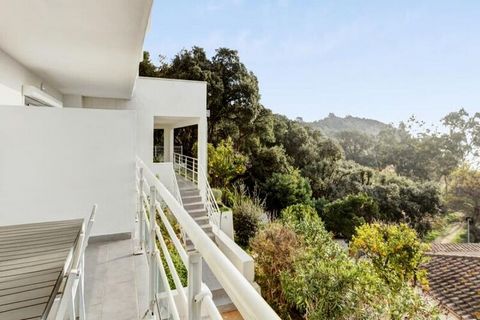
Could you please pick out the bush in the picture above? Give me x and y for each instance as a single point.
(217, 194)
(224, 163)
(304, 274)
(403, 200)
(299, 213)
(342, 216)
(274, 249)
(395, 251)
(325, 283)
(248, 214)
(285, 189)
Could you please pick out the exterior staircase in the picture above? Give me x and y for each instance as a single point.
(193, 204)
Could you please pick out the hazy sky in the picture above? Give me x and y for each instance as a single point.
(379, 59)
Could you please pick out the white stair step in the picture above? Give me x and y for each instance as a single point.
(202, 220)
(191, 199)
(198, 213)
(222, 301)
(194, 206)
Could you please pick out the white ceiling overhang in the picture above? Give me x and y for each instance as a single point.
(85, 47)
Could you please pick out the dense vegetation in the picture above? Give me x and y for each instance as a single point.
(381, 189)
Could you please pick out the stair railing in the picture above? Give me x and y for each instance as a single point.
(190, 169)
(158, 211)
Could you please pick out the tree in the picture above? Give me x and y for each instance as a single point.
(394, 250)
(464, 131)
(285, 189)
(147, 68)
(358, 147)
(343, 215)
(339, 179)
(403, 200)
(233, 96)
(265, 161)
(224, 163)
(465, 194)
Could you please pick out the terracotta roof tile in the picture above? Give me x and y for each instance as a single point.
(454, 277)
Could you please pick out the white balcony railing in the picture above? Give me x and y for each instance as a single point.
(159, 152)
(160, 218)
(189, 168)
(71, 305)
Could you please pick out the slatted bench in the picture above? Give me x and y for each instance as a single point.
(33, 262)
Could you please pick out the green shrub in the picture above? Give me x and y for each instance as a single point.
(248, 214)
(286, 189)
(342, 216)
(325, 283)
(217, 194)
(224, 163)
(395, 251)
(246, 221)
(304, 274)
(274, 249)
(299, 213)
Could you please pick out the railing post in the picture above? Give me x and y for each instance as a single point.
(151, 252)
(141, 215)
(193, 171)
(186, 168)
(194, 285)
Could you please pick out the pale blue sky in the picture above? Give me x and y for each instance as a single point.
(379, 59)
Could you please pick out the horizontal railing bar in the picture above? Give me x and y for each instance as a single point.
(211, 309)
(176, 242)
(171, 266)
(163, 274)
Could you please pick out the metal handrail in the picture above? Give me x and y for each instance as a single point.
(187, 163)
(247, 300)
(178, 195)
(73, 297)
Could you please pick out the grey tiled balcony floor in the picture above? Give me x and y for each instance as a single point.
(115, 281)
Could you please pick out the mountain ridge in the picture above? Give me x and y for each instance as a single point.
(332, 125)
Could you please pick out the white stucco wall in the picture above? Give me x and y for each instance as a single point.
(166, 175)
(183, 102)
(56, 163)
(13, 76)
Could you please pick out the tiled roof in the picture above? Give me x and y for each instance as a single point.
(454, 278)
(457, 249)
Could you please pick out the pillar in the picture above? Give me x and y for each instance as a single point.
(168, 142)
(202, 153)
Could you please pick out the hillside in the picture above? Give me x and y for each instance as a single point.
(333, 124)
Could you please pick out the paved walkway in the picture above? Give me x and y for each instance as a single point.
(116, 281)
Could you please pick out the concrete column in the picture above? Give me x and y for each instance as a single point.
(202, 153)
(168, 142)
